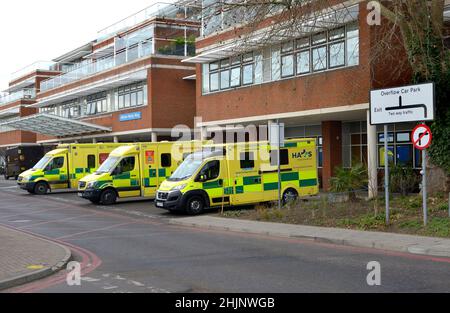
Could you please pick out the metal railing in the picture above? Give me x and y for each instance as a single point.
(159, 9)
(29, 93)
(97, 66)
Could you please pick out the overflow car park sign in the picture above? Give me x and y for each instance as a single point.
(403, 104)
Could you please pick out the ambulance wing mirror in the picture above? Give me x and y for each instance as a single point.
(201, 178)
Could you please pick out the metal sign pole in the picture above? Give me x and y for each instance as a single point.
(424, 187)
(278, 163)
(386, 172)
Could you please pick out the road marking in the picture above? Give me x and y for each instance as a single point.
(94, 230)
(89, 279)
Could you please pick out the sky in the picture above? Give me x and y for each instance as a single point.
(43, 30)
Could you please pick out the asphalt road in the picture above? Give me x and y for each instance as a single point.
(130, 247)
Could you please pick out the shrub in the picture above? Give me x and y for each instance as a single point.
(403, 180)
(349, 180)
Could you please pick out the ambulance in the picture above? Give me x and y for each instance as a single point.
(241, 174)
(62, 168)
(134, 171)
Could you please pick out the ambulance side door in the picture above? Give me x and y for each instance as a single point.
(214, 180)
(56, 172)
(126, 177)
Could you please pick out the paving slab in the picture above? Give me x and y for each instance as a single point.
(25, 257)
(378, 240)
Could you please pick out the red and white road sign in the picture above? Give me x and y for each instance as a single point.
(421, 137)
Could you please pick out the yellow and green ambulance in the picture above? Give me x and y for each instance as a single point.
(133, 171)
(240, 174)
(62, 168)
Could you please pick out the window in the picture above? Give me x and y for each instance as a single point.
(131, 96)
(91, 161)
(225, 79)
(319, 58)
(97, 103)
(319, 38)
(166, 160)
(247, 74)
(55, 164)
(211, 170)
(214, 81)
(318, 52)
(303, 63)
(284, 157)
(235, 79)
(247, 160)
(287, 65)
(400, 150)
(127, 164)
(337, 54)
(352, 44)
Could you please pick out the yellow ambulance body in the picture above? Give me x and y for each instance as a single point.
(62, 168)
(240, 174)
(136, 170)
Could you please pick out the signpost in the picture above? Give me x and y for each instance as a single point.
(421, 138)
(413, 103)
(276, 138)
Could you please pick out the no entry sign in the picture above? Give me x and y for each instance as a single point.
(421, 137)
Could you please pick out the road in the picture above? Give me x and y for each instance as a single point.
(131, 247)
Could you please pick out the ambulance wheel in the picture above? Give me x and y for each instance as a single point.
(289, 195)
(195, 205)
(41, 188)
(108, 197)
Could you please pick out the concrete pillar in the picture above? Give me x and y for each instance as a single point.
(94, 140)
(372, 166)
(332, 150)
(116, 139)
(154, 137)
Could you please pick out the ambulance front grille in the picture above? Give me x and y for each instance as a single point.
(162, 195)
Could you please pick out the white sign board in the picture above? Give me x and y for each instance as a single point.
(403, 104)
(276, 134)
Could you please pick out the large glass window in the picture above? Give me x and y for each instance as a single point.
(131, 96)
(322, 51)
(97, 103)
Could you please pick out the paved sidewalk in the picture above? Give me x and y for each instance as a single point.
(24, 258)
(378, 240)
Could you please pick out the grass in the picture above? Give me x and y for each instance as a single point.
(405, 214)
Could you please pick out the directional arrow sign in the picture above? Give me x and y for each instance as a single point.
(413, 103)
(421, 137)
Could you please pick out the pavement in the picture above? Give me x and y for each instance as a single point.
(377, 240)
(25, 257)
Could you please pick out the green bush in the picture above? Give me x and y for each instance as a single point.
(349, 180)
(403, 180)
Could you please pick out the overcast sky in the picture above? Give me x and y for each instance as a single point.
(43, 30)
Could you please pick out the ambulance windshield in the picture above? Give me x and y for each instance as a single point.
(42, 163)
(108, 165)
(187, 168)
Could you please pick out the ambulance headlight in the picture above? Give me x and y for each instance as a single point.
(179, 187)
(90, 184)
(24, 179)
